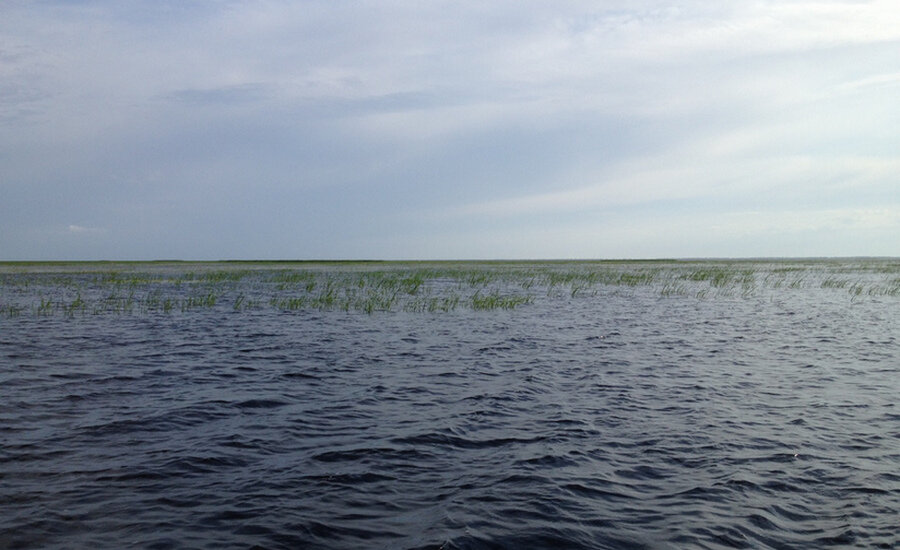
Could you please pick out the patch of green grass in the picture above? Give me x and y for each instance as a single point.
(207, 300)
(715, 276)
(433, 304)
(494, 300)
(832, 282)
(636, 278)
(10, 310)
(45, 307)
(223, 275)
(78, 305)
(151, 288)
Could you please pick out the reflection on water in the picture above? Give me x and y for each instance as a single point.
(616, 416)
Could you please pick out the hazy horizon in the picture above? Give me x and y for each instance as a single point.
(408, 131)
(736, 259)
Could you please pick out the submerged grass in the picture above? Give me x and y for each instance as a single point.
(425, 287)
(495, 300)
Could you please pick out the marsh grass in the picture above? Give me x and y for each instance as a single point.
(833, 282)
(207, 300)
(425, 287)
(10, 310)
(78, 305)
(495, 300)
(45, 307)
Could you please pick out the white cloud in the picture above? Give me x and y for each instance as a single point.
(675, 177)
(80, 229)
(888, 80)
(790, 221)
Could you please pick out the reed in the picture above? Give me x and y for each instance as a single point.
(45, 307)
(10, 310)
(78, 305)
(494, 300)
(413, 287)
(207, 300)
(832, 282)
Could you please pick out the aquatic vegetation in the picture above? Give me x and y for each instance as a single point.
(720, 277)
(832, 282)
(431, 304)
(10, 310)
(78, 305)
(207, 300)
(673, 289)
(495, 300)
(45, 307)
(225, 275)
(150, 288)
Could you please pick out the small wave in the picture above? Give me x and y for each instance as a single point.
(548, 461)
(585, 490)
(617, 421)
(260, 404)
(351, 479)
(383, 453)
(440, 439)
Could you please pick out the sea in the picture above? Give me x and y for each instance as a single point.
(614, 416)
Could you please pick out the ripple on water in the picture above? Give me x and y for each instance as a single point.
(618, 420)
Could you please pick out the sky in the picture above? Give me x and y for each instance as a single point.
(345, 129)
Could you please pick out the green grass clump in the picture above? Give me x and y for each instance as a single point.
(45, 307)
(169, 288)
(207, 300)
(10, 310)
(832, 282)
(716, 276)
(224, 275)
(494, 300)
(636, 278)
(432, 304)
(78, 305)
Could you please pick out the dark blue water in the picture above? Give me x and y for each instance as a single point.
(616, 420)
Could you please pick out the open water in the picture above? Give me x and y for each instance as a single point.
(620, 419)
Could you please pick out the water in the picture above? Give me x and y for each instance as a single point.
(620, 418)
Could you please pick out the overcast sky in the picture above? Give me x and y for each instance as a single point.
(459, 129)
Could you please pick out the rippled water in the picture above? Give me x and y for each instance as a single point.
(616, 419)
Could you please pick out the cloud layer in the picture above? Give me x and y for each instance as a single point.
(448, 129)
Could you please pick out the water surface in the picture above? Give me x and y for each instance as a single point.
(615, 416)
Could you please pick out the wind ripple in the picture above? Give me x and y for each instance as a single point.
(625, 421)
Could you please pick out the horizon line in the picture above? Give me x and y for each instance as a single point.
(446, 260)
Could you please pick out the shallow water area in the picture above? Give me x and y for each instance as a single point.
(523, 405)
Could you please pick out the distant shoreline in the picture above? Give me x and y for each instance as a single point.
(455, 261)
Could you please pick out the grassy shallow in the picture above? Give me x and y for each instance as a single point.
(96, 288)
